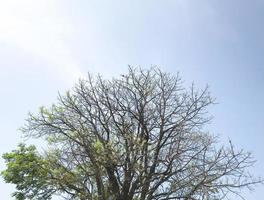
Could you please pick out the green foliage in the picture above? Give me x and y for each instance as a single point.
(27, 170)
(98, 146)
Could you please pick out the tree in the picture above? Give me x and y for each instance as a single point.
(139, 137)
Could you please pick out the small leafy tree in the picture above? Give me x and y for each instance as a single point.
(139, 137)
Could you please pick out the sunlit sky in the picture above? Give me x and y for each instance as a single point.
(46, 45)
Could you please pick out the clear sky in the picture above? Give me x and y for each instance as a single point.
(46, 45)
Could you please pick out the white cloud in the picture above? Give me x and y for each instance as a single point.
(39, 28)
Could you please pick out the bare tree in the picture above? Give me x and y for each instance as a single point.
(139, 137)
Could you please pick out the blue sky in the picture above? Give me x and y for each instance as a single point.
(46, 45)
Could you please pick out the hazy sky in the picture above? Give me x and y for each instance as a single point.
(46, 45)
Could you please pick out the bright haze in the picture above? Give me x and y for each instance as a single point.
(45, 46)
